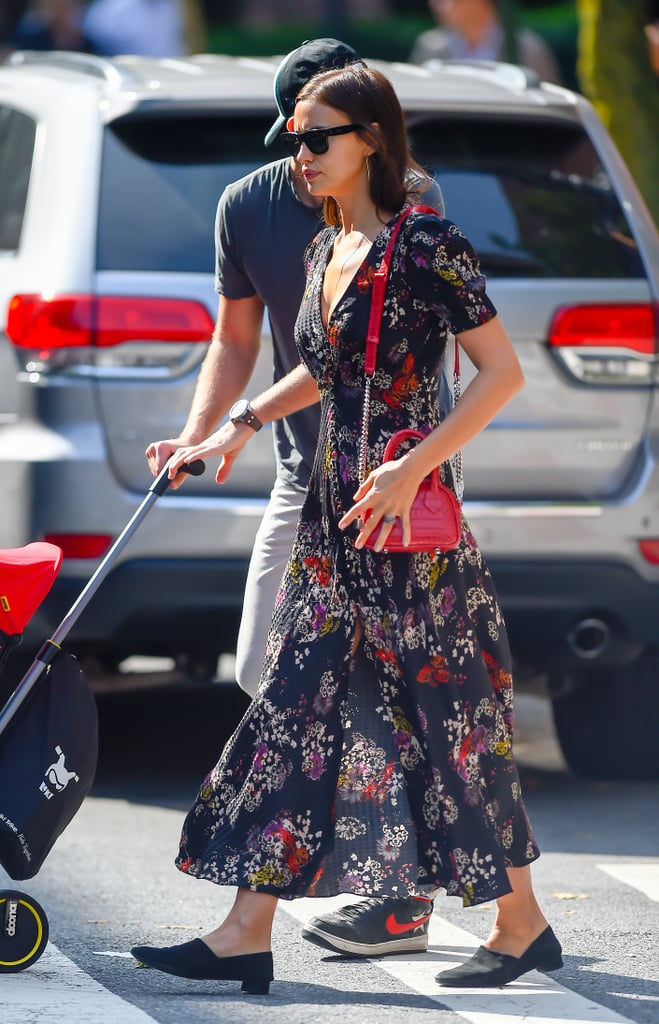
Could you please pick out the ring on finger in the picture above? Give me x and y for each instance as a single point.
(389, 519)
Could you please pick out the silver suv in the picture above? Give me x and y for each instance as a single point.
(109, 176)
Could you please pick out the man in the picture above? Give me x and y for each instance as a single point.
(151, 28)
(264, 223)
(52, 25)
(473, 30)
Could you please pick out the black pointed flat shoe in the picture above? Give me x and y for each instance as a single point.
(195, 960)
(489, 969)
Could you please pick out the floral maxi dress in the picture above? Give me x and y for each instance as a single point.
(388, 771)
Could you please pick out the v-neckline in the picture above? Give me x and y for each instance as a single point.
(330, 314)
(337, 301)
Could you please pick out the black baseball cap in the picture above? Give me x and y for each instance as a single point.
(298, 67)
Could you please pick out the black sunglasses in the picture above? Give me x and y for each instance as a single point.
(316, 139)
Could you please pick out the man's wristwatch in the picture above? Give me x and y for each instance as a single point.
(241, 412)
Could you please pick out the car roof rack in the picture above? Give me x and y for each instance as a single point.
(516, 76)
(72, 60)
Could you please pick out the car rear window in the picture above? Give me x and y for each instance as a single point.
(160, 183)
(532, 196)
(17, 134)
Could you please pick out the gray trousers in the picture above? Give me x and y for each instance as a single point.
(270, 554)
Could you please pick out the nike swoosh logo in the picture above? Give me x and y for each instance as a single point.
(395, 927)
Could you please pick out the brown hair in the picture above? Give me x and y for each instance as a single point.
(365, 96)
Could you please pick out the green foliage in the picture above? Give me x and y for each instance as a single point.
(393, 38)
(558, 24)
(617, 76)
(421, 6)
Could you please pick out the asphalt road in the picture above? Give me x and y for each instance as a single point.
(110, 882)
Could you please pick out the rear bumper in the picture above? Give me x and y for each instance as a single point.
(574, 614)
(193, 606)
(154, 607)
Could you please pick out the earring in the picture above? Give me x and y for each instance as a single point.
(367, 161)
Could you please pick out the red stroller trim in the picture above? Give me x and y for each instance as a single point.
(26, 576)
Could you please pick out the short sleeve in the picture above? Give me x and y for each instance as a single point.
(443, 271)
(231, 278)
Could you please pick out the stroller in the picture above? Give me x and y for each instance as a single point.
(48, 731)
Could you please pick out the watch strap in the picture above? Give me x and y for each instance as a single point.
(249, 417)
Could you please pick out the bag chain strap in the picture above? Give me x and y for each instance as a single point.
(363, 443)
(372, 341)
(456, 461)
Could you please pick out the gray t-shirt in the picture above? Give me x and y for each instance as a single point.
(261, 232)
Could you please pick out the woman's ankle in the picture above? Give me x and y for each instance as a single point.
(515, 936)
(234, 938)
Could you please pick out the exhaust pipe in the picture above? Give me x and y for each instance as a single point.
(589, 638)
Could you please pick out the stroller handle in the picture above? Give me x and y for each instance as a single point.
(162, 481)
(50, 647)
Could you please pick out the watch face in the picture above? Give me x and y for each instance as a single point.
(238, 409)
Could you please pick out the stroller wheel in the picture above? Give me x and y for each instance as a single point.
(23, 931)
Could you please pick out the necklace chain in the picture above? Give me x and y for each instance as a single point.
(353, 252)
(351, 255)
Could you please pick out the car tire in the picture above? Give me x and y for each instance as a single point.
(606, 719)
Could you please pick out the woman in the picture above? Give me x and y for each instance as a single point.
(405, 783)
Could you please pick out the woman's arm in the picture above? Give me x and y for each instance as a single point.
(297, 390)
(390, 489)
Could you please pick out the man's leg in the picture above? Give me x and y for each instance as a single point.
(380, 926)
(270, 554)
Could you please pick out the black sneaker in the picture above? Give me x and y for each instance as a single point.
(375, 927)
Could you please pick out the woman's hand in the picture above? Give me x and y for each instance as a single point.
(390, 489)
(227, 442)
(386, 494)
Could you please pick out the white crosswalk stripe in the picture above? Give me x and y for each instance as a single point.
(55, 991)
(533, 999)
(641, 875)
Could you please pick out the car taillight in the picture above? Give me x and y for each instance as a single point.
(607, 343)
(80, 545)
(649, 548)
(78, 332)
